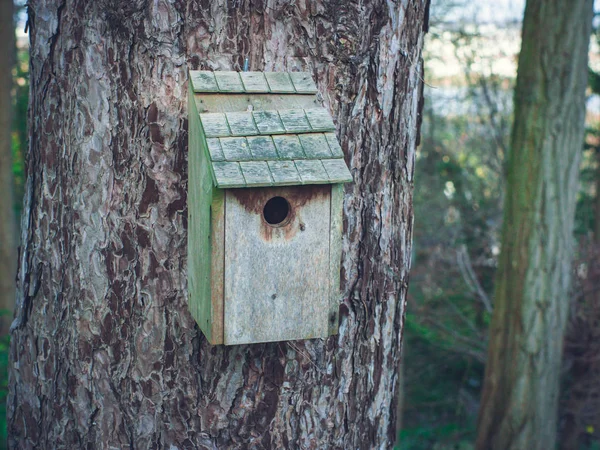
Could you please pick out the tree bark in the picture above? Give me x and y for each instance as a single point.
(8, 233)
(104, 352)
(520, 394)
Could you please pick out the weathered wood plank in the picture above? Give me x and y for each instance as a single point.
(215, 102)
(312, 172)
(203, 81)
(288, 146)
(256, 173)
(241, 123)
(319, 119)
(262, 147)
(214, 125)
(271, 293)
(303, 82)
(254, 82)
(200, 196)
(217, 265)
(315, 145)
(335, 256)
(235, 149)
(334, 145)
(337, 171)
(284, 173)
(229, 81)
(294, 120)
(228, 174)
(268, 122)
(215, 150)
(279, 82)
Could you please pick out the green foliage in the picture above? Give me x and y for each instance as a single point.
(457, 200)
(19, 143)
(586, 198)
(19, 133)
(450, 436)
(594, 81)
(459, 179)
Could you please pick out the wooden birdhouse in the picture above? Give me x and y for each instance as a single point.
(264, 208)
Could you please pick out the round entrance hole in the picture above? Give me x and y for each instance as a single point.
(276, 211)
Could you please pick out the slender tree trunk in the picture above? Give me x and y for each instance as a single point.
(520, 394)
(104, 352)
(8, 234)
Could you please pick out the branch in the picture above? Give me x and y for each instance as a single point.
(466, 269)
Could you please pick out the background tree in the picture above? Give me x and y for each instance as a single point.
(580, 396)
(458, 211)
(104, 350)
(8, 254)
(13, 108)
(520, 395)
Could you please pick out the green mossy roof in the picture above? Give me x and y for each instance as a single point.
(253, 82)
(269, 148)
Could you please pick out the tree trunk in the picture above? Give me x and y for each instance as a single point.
(519, 400)
(8, 234)
(104, 352)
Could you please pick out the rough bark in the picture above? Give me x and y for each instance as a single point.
(104, 352)
(519, 400)
(8, 232)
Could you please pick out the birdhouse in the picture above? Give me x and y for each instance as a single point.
(264, 208)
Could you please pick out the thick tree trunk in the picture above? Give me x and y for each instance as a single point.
(104, 351)
(8, 233)
(520, 394)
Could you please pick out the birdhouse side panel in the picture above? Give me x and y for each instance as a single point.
(277, 276)
(205, 205)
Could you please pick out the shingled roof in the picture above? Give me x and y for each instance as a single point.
(270, 147)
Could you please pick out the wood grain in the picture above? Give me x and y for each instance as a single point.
(205, 236)
(229, 81)
(217, 268)
(279, 82)
(207, 102)
(276, 278)
(335, 256)
(254, 82)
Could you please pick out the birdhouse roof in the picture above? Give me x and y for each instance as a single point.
(270, 147)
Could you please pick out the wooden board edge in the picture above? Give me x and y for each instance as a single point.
(217, 277)
(335, 256)
(194, 275)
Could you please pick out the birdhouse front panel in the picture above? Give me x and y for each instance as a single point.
(277, 254)
(265, 228)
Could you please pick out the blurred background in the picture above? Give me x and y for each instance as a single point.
(470, 58)
(14, 80)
